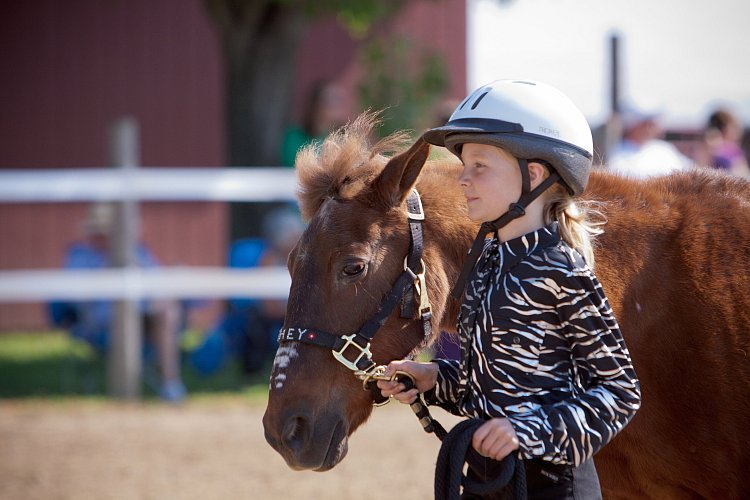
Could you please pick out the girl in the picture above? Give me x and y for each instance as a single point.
(542, 360)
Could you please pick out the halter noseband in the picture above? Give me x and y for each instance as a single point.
(353, 351)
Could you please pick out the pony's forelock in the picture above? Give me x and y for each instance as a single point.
(343, 163)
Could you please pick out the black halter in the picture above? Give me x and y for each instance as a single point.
(353, 351)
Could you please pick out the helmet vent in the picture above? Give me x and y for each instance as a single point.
(479, 99)
(526, 118)
(464, 103)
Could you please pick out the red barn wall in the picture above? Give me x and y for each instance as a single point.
(71, 68)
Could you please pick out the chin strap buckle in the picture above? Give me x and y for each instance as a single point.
(517, 210)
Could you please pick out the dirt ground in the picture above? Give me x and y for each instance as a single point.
(200, 450)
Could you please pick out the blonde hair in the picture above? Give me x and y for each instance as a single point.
(576, 220)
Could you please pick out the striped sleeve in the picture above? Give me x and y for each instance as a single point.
(446, 393)
(573, 430)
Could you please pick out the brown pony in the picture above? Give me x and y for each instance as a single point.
(674, 261)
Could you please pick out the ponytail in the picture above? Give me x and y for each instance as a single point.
(573, 216)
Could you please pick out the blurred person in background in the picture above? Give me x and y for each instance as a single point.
(723, 135)
(92, 320)
(641, 152)
(282, 228)
(249, 328)
(325, 111)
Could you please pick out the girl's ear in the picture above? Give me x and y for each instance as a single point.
(537, 173)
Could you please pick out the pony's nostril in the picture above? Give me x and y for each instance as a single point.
(294, 433)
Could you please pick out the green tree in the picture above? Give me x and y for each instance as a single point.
(403, 80)
(259, 39)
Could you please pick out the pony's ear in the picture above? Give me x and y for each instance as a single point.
(400, 174)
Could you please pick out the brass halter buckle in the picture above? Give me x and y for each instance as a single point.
(378, 373)
(363, 352)
(420, 285)
(424, 300)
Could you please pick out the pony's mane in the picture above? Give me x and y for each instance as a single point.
(344, 163)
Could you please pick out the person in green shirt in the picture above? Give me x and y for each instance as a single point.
(326, 110)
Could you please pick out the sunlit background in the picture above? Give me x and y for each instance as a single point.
(223, 85)
(684, 58)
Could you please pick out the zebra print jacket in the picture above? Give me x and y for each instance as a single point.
(540, 346)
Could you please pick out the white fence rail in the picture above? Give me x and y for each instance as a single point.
(37, 285)
(170, 184)
(147, 184)
(130, 185)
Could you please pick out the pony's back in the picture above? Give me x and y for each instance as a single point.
(675, 263)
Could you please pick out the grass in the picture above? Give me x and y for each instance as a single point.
(50, 364)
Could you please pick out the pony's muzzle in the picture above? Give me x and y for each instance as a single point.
(295, 434)
(306, 443)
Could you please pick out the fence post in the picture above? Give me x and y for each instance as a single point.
(613, 125)
(124, 366)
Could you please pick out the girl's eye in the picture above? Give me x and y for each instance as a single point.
(354, 269)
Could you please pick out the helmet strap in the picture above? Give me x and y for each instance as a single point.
(523, 165)
(515, 211)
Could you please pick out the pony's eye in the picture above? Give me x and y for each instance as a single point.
(354, 269)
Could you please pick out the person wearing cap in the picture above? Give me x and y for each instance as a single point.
(543, 362)
(641, 152)
(91, 320)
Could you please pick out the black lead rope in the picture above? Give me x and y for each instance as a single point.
(489, 476)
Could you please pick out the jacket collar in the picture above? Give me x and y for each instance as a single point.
(513, 251)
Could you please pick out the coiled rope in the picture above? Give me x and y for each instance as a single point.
(456, 450)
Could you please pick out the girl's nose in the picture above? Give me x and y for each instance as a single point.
(463, 179)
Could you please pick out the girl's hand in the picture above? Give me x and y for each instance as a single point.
(424, 375)
(495, 439)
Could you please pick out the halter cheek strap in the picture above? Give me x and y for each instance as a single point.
(515, 211)
(353, 351)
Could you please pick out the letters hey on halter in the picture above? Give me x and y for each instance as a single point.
(353, 350)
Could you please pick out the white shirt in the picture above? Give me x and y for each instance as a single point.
(655, 157)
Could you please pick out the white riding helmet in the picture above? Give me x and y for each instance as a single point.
(530, 120)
